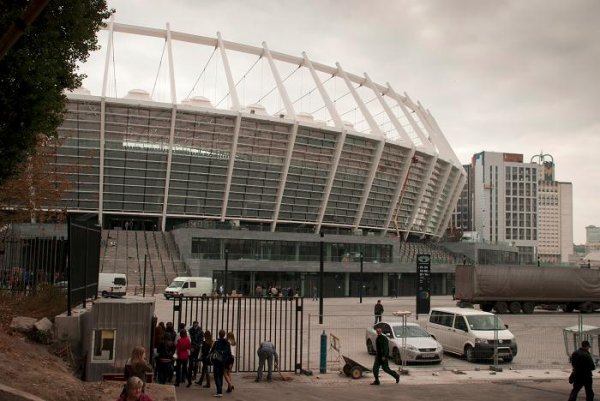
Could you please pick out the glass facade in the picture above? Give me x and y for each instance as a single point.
(239, 249)
(200, 181)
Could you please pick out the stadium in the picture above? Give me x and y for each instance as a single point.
(268, 158)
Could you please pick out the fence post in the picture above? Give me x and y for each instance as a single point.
(144, 285)
(308, 347)
(323, 362)
(495, 367)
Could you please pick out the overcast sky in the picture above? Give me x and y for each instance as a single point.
(516, 76)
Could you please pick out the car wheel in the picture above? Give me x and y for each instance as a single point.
(569, 308)
(470, 353)
(370, 348)
(487, 307)
(104, 294)
(507, 359)
(396, 356)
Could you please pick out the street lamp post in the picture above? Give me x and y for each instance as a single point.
(226, 271)
(321, 274)
(361, 277)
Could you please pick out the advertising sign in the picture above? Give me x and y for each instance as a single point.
(423, 284)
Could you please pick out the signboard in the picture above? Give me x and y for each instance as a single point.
(423, 283)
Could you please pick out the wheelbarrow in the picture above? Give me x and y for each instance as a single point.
(353, 369)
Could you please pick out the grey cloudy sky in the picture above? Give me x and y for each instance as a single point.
(508, 76)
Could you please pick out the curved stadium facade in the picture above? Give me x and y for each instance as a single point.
(156, 165)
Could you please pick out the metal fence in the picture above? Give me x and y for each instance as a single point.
(252, 320)
(25, 263)
(545, 340)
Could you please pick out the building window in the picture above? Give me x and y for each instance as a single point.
(103, 343)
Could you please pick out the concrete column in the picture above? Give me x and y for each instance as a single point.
(346, 284)
(444, 282)
(385, 284)
(252, 283)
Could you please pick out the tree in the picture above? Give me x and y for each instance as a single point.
(35, 194)
(38, 68)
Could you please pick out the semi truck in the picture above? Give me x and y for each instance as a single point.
(521, 288)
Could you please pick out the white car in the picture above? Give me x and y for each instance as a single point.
(418, 347)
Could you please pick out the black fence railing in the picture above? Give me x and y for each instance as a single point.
(252, 320)
(27, 263)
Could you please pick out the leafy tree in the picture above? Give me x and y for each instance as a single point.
(38, 68)
(35, 193)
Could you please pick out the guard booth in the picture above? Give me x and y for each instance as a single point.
(574, 335)
(110, 332)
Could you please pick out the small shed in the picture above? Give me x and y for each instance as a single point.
(111, 330)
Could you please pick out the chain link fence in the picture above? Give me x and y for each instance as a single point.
(545, 340)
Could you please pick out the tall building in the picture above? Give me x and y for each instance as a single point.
(555, 214)
(592, 239)
(505, 201)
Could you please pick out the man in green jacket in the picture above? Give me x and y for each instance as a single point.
(381, 358)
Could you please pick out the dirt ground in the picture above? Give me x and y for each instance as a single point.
(34, 368)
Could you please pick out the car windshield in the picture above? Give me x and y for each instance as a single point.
(485, 322)
(411, 331)
(120, 281)
(177, 284)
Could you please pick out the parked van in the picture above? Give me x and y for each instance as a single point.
(471, 332)
(189, 287)
(112, 284)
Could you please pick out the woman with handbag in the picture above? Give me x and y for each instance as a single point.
(205, 350)
(219, 355)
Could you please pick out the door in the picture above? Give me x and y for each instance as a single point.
(460, 334)
(440, 326)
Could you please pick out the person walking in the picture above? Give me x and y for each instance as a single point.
(206, 346)
(315, 296)
(381, 358)
(184, 345)
(378, 311)
(230, 362)
(266, 352)
(223, 348)
(583, 365)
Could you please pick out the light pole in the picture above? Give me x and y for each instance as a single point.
(321, 280)
(361, 277)
(226, 270)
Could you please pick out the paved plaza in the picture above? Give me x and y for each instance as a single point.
(539, 336)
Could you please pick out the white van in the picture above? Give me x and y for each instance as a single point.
(471, 332)
(189, 287)
(112, 284)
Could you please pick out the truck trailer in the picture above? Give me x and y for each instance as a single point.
(521, 288)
